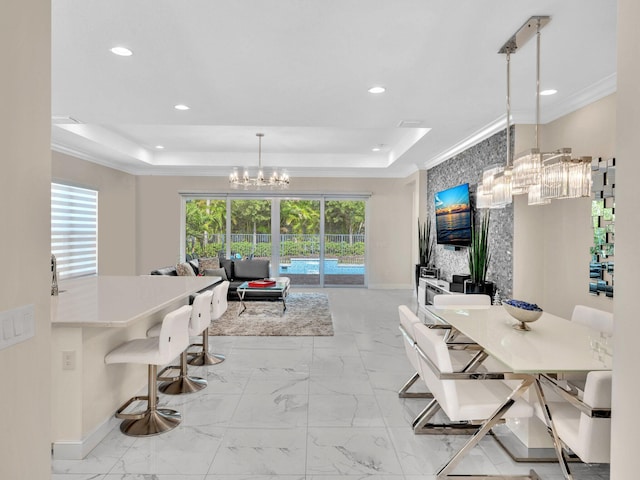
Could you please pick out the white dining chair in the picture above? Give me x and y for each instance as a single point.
(444, 300)
(468, 400)
(467, 300)
(589, 437)
(407, 320)
(598, 320)
(594, 318)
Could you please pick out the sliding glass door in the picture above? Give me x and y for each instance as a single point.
(300, 241)
(344, 242)
(250, 228)
(205, 227)
(314, 240)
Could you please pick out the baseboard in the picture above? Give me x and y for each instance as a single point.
(78, 450)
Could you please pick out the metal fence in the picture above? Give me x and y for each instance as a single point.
(294, 237)
(346, 248)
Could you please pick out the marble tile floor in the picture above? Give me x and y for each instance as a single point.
(303, 408)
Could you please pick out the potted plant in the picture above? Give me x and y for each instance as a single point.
(425, 242)
(425, 247)
(479, 258)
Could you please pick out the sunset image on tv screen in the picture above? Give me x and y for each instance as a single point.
(453, 216)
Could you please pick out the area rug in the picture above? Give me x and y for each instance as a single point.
(307, 314)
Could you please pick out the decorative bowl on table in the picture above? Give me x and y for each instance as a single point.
(523, 312)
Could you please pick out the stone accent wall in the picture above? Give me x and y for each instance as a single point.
(467, 167)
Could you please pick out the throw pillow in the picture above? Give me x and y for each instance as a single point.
(208, 263)
(216, 272)
(228, 268)
(185, 270)
(194, 265)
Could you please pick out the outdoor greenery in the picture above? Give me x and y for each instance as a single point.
(299, 226)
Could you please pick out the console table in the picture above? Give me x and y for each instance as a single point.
(429, 287)
(90, 317)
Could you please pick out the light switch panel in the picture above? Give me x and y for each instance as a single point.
(17, 325)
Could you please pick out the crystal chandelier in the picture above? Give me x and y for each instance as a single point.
(275, 180)
(502, 182)
(543, 176)
(565, 177)
(495, 190)
(527, 165)
(483, 198)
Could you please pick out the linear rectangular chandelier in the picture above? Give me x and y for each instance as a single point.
(542, 176)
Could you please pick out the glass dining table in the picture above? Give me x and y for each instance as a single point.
(553, 346)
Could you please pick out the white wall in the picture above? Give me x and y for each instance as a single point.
(25, 36)
(390, 223)
(551, 242)
(626, 390)
(116, 210)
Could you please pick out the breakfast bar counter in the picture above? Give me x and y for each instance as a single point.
(90, 317)
(119, 301)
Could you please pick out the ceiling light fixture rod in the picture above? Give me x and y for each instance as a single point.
(524, 33)
(508, 108)
(537, 130)
(260, 135)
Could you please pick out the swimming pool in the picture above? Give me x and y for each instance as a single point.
(304, 266)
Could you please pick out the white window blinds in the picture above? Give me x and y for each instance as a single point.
(74, 230)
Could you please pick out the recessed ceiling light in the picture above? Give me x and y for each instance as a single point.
(550, 91)
(376, 90)
(377, 148)
(180, 106)
(159, 147)
(122, 51)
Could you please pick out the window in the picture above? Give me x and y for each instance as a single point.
(74, 230)
(314, 239)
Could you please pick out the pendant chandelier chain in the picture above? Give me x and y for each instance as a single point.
(537, 129)
(508, 108)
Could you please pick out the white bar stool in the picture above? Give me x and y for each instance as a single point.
(152, 351)
(200, 320)
(218, 307)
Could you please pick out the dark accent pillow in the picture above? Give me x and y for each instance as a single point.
(227, 264)
(171, 271)
(251, 269)
(195, 265)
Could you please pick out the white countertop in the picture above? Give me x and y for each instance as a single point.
(117, 301)
(553, 344)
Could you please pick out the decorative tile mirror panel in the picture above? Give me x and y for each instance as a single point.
(603, 216)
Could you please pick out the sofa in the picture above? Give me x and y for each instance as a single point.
(236, 271)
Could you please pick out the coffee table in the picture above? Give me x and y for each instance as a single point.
(279, 291)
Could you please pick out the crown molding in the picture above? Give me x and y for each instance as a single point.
(582, 98)
(576, 101)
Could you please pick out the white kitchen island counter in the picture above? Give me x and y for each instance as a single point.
(90, 317)
(118, 301)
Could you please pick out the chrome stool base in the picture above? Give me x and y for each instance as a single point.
(201, 359)
(182, 385)
(153, 422)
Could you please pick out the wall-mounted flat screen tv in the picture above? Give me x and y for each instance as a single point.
(453, 216)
